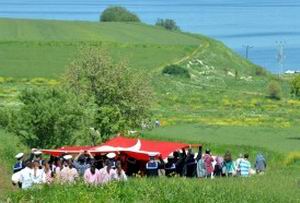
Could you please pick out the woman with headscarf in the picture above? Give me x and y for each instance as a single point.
(260, 164)
(201, 171)
(228, 167)
(208, 160)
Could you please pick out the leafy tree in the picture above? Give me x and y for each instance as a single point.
(118, 14)
(47, 118)
(117, 99)
(274, 90)
(295, 86)
(168, 24)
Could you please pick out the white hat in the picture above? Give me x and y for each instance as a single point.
(37, 153)
(68, 157)
(111, 155)
(19, 156)
(152, 154)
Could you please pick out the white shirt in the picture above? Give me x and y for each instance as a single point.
(39, 176)
(121, 177)
(68, 175)
(26, 178)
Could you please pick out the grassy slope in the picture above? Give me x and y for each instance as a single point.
(23, 44)
(220, 109)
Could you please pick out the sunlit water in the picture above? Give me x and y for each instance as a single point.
(259, 23)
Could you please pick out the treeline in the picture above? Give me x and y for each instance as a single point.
(121, 14)
(96, 98)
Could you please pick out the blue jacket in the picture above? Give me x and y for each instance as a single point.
(18, 167)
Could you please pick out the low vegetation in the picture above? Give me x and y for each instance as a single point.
(274, 90)
(176, 70)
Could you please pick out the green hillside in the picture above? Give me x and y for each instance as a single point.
(70, 31)
(223, 105)
(40, 48)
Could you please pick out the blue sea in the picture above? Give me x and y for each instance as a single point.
(261, 24)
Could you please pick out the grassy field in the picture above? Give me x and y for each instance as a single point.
(224, 105)
(279, 184)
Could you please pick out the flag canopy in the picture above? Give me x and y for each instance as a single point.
(134, 147)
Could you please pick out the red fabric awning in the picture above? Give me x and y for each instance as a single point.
(134, 147)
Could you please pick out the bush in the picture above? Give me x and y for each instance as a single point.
(176, 70)
(274, 90)
(118, 14)
(4, 117)
(295, 86)
(260, 71)
(168, 24)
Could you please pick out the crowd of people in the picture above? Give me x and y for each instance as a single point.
(102, 169)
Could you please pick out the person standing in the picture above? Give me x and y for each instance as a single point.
(245, 166)
(180, 157)
(26, 176)
(107, 174)
(92, 175)
(228, 167)
(68, 174)
(112, 158)
(237, 163)
(19, 165)
(208, 160)
(201, 171)
(260, 164)
(48, 173)
(218, 167)
(190, 165)
(170, 167)
(120, 173)
(152, 166)
(39, 175)
(81, 162)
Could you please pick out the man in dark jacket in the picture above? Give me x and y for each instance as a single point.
(170, 167)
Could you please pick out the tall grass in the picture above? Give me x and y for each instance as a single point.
(275, 187)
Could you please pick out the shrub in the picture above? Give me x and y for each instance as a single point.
(260, 71)
(168, 24)
(295, 86)
(176, 70)
(118, 14)
(4, 117)
(274, 90)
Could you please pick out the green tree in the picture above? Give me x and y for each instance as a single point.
(47, 118)
(118, 14)
(168, 24)
(115, 98)
(295, 86)
(274, 90)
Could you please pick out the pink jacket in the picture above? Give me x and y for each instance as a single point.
(91, 178)
(208, 163)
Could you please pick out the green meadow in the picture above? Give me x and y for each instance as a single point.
(224, 105)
